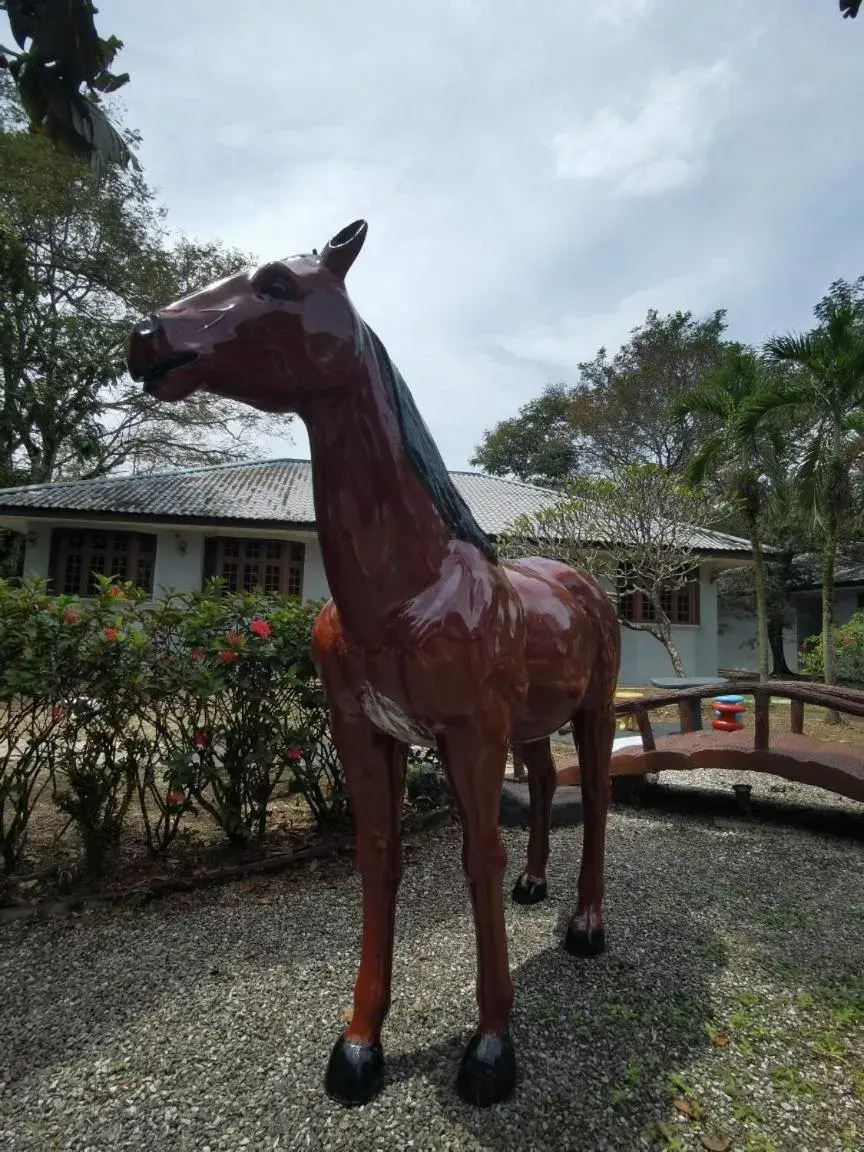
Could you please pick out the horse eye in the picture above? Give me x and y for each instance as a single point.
(277, 283)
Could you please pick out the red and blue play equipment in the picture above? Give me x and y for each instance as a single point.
(728, 711)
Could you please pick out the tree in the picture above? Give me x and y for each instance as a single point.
(736, 452)
(79, 263)
(537, 446)
(829, 395)
(634, 530)
(787, 569)
(60, 72)
(618, 412)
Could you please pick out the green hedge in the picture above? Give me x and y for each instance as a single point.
(200, 701)
(849, 646)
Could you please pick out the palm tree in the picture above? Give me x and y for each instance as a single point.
(730, 394)
(787, 530)
(829, 393)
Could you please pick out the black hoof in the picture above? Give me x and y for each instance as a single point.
(578, 942)
(355, 1072)
(487, 1074)
(529, 891)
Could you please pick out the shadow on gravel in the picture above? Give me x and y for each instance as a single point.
(597, 1041)
(709, 802)
(210, 940)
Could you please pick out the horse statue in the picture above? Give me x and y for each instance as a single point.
(429, 639)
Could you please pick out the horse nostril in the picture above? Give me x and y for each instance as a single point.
(148, 327)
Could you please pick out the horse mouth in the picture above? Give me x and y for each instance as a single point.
(156, 372)
(157, 379)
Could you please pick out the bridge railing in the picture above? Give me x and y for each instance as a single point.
(849, 701)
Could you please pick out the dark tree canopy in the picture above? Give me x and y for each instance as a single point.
(60, 71)
(537, 446)
(80, 261)
(619, 411)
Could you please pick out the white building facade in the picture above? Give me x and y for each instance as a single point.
(254, 526)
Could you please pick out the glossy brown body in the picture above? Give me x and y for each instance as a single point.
(427, 638)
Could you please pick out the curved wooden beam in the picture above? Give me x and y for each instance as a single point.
(837, 768)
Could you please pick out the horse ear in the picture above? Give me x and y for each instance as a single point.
(341, 252)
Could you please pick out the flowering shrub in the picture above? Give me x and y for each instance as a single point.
(240, 710)
(32, 651)
(849, 646)
(99, 741)
(204, 701)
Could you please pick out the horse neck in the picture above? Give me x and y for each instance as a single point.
(382, 539)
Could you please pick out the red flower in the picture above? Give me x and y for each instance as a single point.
(227, 656)
(197, 655)
(110, 634)
(235, 639)
(116, 591)
(176, 798)
(259, 627)
(70, 617)
(292, 753)
(201, 738)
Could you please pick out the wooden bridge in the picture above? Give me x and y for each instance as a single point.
(758, 747)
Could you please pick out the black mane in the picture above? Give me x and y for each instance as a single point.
(425, 458)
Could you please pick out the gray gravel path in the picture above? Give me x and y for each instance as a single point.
(205, 1021)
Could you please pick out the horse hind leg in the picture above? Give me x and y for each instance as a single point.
(593, 733)
(531, 887)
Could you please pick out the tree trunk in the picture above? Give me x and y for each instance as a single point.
(779, 663)
(829, 664)
(664, 635)
(763, 647)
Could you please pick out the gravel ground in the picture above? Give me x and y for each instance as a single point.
(729, 1004)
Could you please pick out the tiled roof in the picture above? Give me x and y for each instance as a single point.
(269, 491)
(807, 572)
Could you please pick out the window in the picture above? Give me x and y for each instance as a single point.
(248, 565)
(681, 604)
(79, 553)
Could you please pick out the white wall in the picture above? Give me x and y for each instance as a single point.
(314, 580)
(179, 561)
(737, 641)
(179, 553)
(644, 657)
(180, 565)
(37, 548)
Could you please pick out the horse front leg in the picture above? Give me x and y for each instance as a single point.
(475, 759)
(593, 734)
(531, 887)
(374, 767)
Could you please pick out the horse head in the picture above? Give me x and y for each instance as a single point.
(273, 337)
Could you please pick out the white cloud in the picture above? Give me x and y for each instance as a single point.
(561, 344)
(619, 13)
(686, 181)
(658, 143)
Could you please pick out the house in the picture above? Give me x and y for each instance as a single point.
(737, 622)
(848, 597)
(254, 525)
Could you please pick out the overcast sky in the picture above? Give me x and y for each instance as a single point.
(535, 175)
